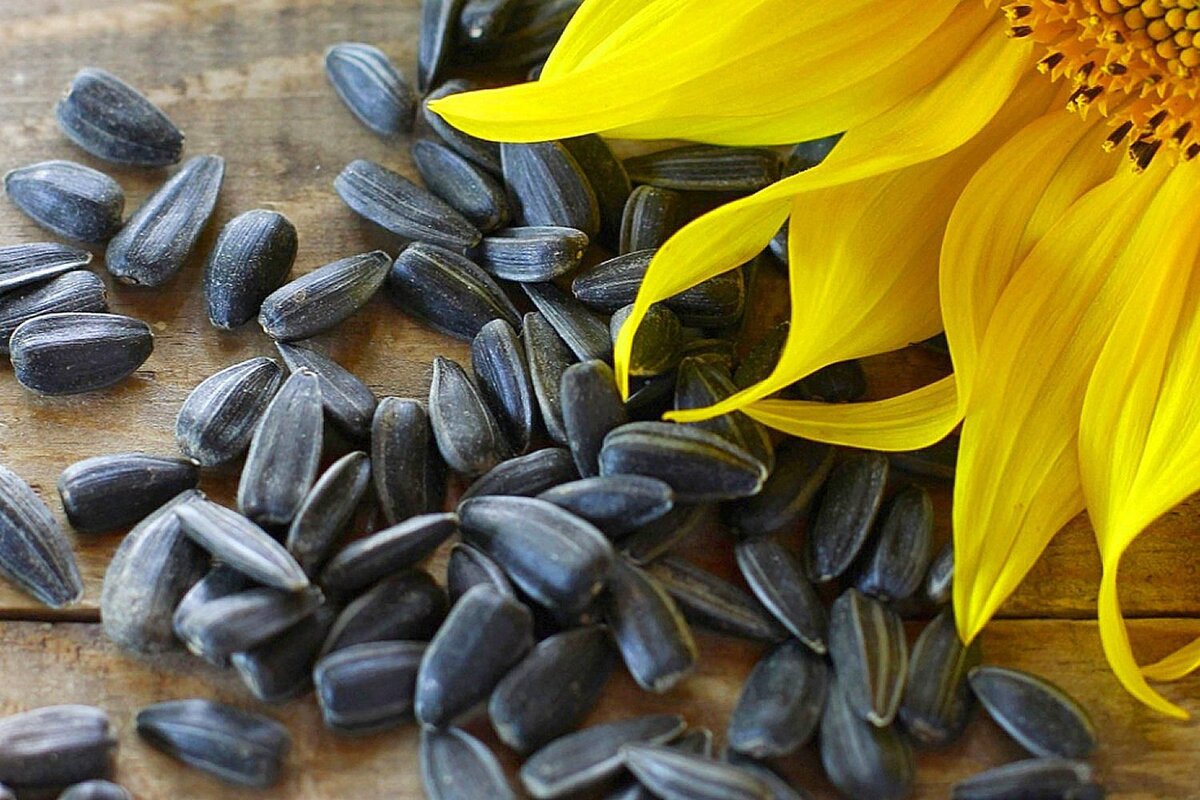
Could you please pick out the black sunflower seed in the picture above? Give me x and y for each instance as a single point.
(1032, 779)
(937, 701)
(707, 168)
(526, 475)
(405, 465)
(371, 87)
(657, 344)
(801, 468)
(548, 357)
(457, 766)
(776, 578)
(348, 402)
(281, 667)
(242, 621)
(652, 635)
(75, 291)
(699, 384)
(113, 121)
(781, 702)
(365, 561)
(241, 544)
(606, 175)
(467, 435)
(318, 300)
(447, 291)
(70, 353)
(34, 552)
(673, 774)
(23, 264)
(439, 24)
(615, 504)
(939, 578)
(368, 687)
(657, 538)
(484, 21)
(218, 418)
(896, 562)
(710, 602)
(467, 567)
(253, 254)
(853, 494)
(1038, 715)
(860, 759)
(650, 216)
(807, 155)
(870, 654)
(591, 408)
(406, 606)
(95, 790)
(105, 493)
(586, 334)
(532, 254)
(46, 749)
(483, 153)
(468, 189)
(502, 373)
(549, 186)
(325, 512)
(220, 581)
(68, 199)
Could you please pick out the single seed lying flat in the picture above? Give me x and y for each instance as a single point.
(252, 255)
(613, 284)
(657, 538)
(650, 216)
(616, 504)
(218, 418)
(447, 291)
(327, 509)
(853, 494)
(707, 168)
(483, 153)
(371, 87)
(467, 435)
(406, 606)
(457, 766)
(68, 199)
(96, 790)
(241, 544)
(657, 344)
(77, 290)
(781, 702)
(160, 235)
(801, 468)
(468, 189)
(606, 175)
(365, 561)
(502, 373)
(897, 561)
(439, 23)
(699, 384)
(368, 687)
(532, 254)
(777, 580)
(937, 701)
(860, 759)
(870, 654)
(281, 667)
(237, 746)
(23, 264)
(348, 402)
(584, 332)
(526, 475)
(105, 493)
(1038, 715)
(591, 408)
(675, 775)
(405, 466)
(550, 187)
(34, 552)
(548, 357)
(710, 602)
(70, 353)
(48, 748)
(238, 622)
(318, 300)
(113, 121)
(1032, 779)
(652, 635)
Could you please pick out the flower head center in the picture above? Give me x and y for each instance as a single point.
(1135, 61)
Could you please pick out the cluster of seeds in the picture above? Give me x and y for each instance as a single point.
(568, 561)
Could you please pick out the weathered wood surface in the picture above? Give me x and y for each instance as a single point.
(244, 79)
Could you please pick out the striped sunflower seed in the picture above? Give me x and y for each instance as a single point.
(467, 435)
(939, 578)
(860, 759)
(251, 258)
(478, 151)
(777, 580)
(707, 168)
(403, 208)
(549, 187)
(657, 344)
(584, 332)
(936, 461)
(486, 633)
(717, 352)
(68, 199)
(870, 655)
(657, 538)
(241, 544)
(318, 300)
(484, 21)
(652, 635)
(525, 476)
(606, 175)
(710, 602)
(502, 373)
(372, 88)
(781, 702)
(23, 264)
(548, 357)
(237, 746)
(160, 235)
(695, 741)
(467, 567)
(77, 290)
(407, 606)
(326, 511)
(532, 254)
(457, 766)
(1038, 715)
(675, 775)
(467, 189)
(425, 276)
(801, 468)
(238, 622)
(365, 561)
(34, 552)
(700, 384)
(281, 667)
(46, 749)
(898, 559)
(937, 702)
(591, 408)
(70, 353)
(439, 23)
(96, 790)
(368, 687)
(650, 216)
(218, 418)
(405, 466)
(105, 493)
(348, 402)
(1032, 779)
(851, 500)
(616, 504)
(113, 121)
(220, 581)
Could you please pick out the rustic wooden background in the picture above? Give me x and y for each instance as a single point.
(244, 79)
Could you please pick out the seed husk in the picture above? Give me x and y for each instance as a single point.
(95, 790)
(675, 775)
(368, 687)
(616, 504)
(860, 759)
(658, 343)
(75, 352)
(232, 624)
(237, 746)
(469, 566)
(483, 153)
(937, 701)
(327, 509)
(549, 693)
(68, 199)
(897, 560)
(78, 290)
(366, 561)
(650, 216)
(405, 466)
(853, 494)
(457, 766)
(159, 236)
(439, 24)
(525, 476)
(584, 332)
(700, 384)
(549, 358)
(1032, 779)
(775, 576)
(113, 121)
(591, 408)
(502, 374)
(105, 493)
(657, 538)
(251, 258)
(48, 748)
(592, 755)
(318, 300)
(23, 264)
(467, 435)
(447, 291)
(710, 602)
(939, 578)
(371, 87)
(781, 702)
(486, 633)
(1038, 715)
(706, 168)
(218, 418)
(606, 175)
(403, 208)
(281, 667)
(34, 552)
(220, 581)
(801, 468)
(406, 606)
(348, 402)
(241, 544)
(549, 187)
(484, 21)
(870, 654)
(468, 189)
(652, 635)
(532, 254)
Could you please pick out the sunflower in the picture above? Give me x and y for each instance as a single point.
(1058, 251)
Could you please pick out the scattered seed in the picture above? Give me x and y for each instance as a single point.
(220, 581)
(502, 374)
(779, 788)
(583, 331)
(777, 580)
(281, 667)
(457, 766)
(870, 654)
(548, 357)
(71, 353)
(241, 544)
(467, 435)
(841, 382)
(549, 187)
(851, 500)
(447, 291)
(801, 468)
(406, 606)
(238, 622)
(1038, 715)
(860, 759)
(251, 258)
(616, 504)
(105, 493)
(657, 345)
(77, 290)
(371, 87)
(937, 701)
(368, 687)
(365, 561)
(614, 284)
(700, 384)
(675, 775)
(606, 175)
(591, 408)
(650, 216)
(652, 635)
(532, 254)
(23, 264)
(439, 23)
(1032, 779)
(113, 121)
(405, 466)
(468, 566)
(68, 199)
(327, 510)
(710, 602)
(348, 402)
(707, 168)
(218, 418)
(318, 300)
(525, 476)
(897, 560)
(34, 552)
(46, 749)
(781, 702)
(468, 189)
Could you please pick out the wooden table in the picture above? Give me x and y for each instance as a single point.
(244, 79)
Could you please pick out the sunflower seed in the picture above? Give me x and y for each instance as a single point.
(237, 746)
(710, 602)
(777, 580)
(526, 475)
(591, 408)
(241, 544)
(779, 788)
(48, 748)
(23, 264)
(897, 560)
(480, 152)
(550, 692)
(96, 790)
(781, 702)
(590, 756)
(870, 655)
(532, 254)
(281, 667)
(549, 187)
(606, 175)
(406, 606)
(468, 189)
(653, 637)
(457, 766)
(656, 344)
(615, 504)
(534, 29)
(253, 254)
(318, 300)
(113, 121)
(1038, 715)
(558, 559)
(220, 581)
(399, 206)
(486, 633)
(936, 461)
(405, 466)
(707, 168)
(841, 382)
(548, 357)
(700, 384)
(806, 155)
(484, 21)
(801, 468)
(468, 566)
(34, 552)
(365, 561)
(717, 352)
(160, 235)
(439, 22)
(68, 199)
(327, 509)
(70, 353)
(657, 538)
(368, 687)
(105, 493)
(349, 403)
(584, 332)
(850, 502)
(674, 775)
(424, 279)
(244, 620)
(1032, 779)
(650, 216)
(939, 578)
(860, 759)
(218, 418)
(371, 87)
(650, 398)
(937, 702)
(77, 290)
(502, 373)
(467, 435)
(282, 462)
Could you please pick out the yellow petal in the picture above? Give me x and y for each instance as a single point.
(1183, 661)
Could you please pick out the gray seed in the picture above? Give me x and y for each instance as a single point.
(710, 602)
(847, 511)
(657, 343)
(939, 578)
(486, 633)
(467, 567)
(700, 384)
(46, 749)
(650, 216)
(368, 687)
(776, 578)
(251, 258)
(281, 667)
(549, 187)
(406, 606)
(113, 121)
(371, 87)
(23, 264)
(70, 353)
(220, 581)
(532, 254)
(365, 561)
(318, 300)
(870, 654)
(807, 155)
(548, 357)
(218, 418)
(478, 151)
(591, 408)
(653, 637)
(106, 493)
(241, 544)
(242, 621)
(658, 537)
(439, 23)
(1032, 779)
(349, 403)
(674, 775)
(284, 453)
(936, 461)
(502, 373)
(78, 290)
(34, 552)
(897, 560)
(96, 790)
(447, 291)
(707, 168)
(467, 435)
(68, 199)
(937, 702)
(484, 21)
(551, 691)
(403, 208)
(468, 189)
(616, 504)
(801, 468)
(237, 746)
(405, 466)
(327, 509)
(781, 702)
(457, 766)
(160, 235)
(584, 332)
(606, 175)
(590, 756)
(1038, 715)
(860, 759)
(525, 476)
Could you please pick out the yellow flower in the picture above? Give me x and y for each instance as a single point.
(1058, 251)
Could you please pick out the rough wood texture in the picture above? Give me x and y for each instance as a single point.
(244, 79)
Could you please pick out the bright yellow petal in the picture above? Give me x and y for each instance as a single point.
(1183, 661)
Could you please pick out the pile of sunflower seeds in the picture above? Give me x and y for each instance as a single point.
(566, 561)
